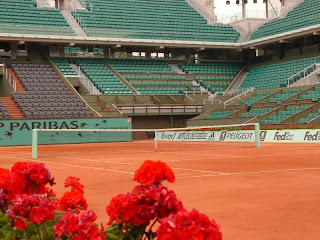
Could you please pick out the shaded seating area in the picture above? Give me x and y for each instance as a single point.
(46, 95)
(282, 115)
(310, 117)
(276, 74)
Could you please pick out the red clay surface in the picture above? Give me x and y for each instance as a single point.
(269, 193)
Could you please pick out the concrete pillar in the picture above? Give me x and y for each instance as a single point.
(188, 55)
(166, 53)
(14, 50)
(106, 52)
(61, 50)
(148, 53)
(224, 55)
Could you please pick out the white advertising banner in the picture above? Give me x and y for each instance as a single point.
(207, 136)
(290, 135)
(285, 135)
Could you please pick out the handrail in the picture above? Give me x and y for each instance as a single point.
(238, 96)
(304, 71)
(9, 77)
(117, 109)
(160, 109)
(72, 87)
(233, 91)
(87, 83)
(236, 78)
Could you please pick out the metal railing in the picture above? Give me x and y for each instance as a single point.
(254, 14)
(233, 91)
(92, 89)
(238, 96)
(9, 77)
(160, 109)
(80, 21)
(302, 74)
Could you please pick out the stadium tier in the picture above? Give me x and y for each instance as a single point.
(101, 76)
(159, 19)
(22, 16)
(151, 76)
(46, 96)
(285, 94)
(310, 117)
(257, 112)
(275, 75)
(64, 66)
(215, 115)
(3, 111)
(304, 15)
(314, 95)
(282, 115)
(256, 97)
(214, 84)
(226, 68)
(140, 66)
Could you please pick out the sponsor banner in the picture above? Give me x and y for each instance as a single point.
(290, 135)
(207, 136)
(188, 136)
(237, 136)
(19, 132)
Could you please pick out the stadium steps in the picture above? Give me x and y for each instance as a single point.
(235, 84)
(43, 4)
(103, 104)
(120, 77)
(74, 24)
(19, 86)
(176, 68)
(13, 109)
(85, 81)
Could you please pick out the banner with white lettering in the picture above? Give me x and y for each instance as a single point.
(290, 135)
(207, 136)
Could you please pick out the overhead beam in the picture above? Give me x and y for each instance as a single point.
(285, 41)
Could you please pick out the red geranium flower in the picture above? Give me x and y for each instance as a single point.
(153, 172)
(78, 226)
(122, 208)
(144, 204)
(35, 208)
(162, 201)
(188, 226)
(75, 198)
(74, 183)
(36, 177)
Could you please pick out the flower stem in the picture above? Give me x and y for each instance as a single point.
(150, 230)
(38, 230)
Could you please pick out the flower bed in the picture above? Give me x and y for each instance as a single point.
(31, 210)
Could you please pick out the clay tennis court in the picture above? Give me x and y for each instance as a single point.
(269, 193)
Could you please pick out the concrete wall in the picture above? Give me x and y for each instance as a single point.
(152, 122)
(5, 87)
(249, 25)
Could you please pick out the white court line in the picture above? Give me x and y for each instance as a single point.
(256, 172)
(138, 164)
(73, 165)
(184, 169)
